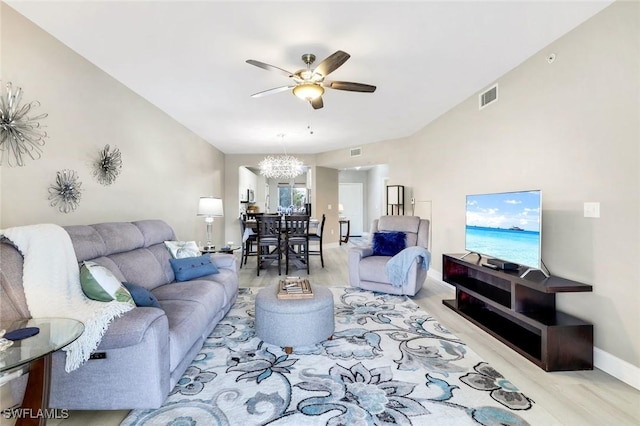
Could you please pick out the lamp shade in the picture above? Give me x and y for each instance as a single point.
(210, 207)
(308, 91)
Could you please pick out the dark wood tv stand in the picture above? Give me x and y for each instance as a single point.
(521, 312)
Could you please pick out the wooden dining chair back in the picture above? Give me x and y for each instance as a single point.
(268, 240)
(297, 239)
(249, 241)
(317, 237)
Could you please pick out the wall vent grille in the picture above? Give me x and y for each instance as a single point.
(355, 152)
(488, 96)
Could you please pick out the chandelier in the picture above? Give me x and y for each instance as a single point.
(280, 167)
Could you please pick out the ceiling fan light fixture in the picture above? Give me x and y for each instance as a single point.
(308, 91)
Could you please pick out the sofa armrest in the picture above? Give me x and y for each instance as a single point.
(356, 254)
(224, 260)
(130, 328)
(360, 252)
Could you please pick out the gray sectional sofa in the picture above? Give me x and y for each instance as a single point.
(147, 349)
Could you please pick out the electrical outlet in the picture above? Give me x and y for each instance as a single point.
(329, 207)
(592, 209)
(332, 232)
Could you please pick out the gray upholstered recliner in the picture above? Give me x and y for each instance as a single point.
(369, 272)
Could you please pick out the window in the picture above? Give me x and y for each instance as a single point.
(293, 197)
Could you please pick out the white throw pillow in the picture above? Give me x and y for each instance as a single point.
(98, 283)
(182, 249)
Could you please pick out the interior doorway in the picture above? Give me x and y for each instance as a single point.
(351, 196)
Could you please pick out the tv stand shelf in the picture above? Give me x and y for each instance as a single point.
(521, 312)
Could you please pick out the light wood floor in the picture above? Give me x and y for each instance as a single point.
(571, 398)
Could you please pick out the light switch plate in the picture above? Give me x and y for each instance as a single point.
(591, 209)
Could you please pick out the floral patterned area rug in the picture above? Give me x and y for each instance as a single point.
(388, 363)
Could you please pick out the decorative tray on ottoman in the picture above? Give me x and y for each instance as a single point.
(294, 288)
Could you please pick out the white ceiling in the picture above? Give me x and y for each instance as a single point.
(188, 59)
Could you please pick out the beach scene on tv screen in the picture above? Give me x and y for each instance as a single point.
(505, 226)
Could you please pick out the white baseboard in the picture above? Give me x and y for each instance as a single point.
(610, 364)
(616, 367)
(436, 275)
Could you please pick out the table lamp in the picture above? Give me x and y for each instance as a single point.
(210, 207)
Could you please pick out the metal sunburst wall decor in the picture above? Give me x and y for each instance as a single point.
(20, 134)
(107, 167)
(65, 193)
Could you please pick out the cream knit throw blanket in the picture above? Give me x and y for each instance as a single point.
(51, 280)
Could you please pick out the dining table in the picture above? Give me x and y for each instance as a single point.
(250, 229)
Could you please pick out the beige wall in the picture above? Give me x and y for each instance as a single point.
(571, 129)
(166, 167)
(325, 187)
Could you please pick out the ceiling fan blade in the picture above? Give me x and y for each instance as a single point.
(317, 103)
(272, 91)
(268, 67)
(332, 63)
(351, 87)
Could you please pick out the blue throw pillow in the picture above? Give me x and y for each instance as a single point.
(141, 296)
(388, 243)
(193, 267)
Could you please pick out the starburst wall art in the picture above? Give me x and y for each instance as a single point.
(108, 165)
(65, 193)
(21, 135)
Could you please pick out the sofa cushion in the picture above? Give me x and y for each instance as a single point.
(193, 267)
(119, 237)
(161, 253)
(228, 280)
(182, 249)
(187, 321)
(410, 225)
(373, 268)
(154, 231)
(388, 243)
(141, 267)
(399, 223)
(141, 296)
(87, 243)
(209, 294)
(98, 283)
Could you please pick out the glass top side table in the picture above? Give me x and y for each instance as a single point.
(33, 354)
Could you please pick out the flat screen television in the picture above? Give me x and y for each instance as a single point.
(505, 226)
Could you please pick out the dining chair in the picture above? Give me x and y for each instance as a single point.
(317, 236)
(268, 240)
(249, 242)
(297, 240)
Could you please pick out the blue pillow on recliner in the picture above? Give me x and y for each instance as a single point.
(388, 243)
(189, 268)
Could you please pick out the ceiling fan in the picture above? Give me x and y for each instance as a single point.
(309, 83)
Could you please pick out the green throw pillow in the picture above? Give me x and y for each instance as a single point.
(182, 249)
(98, 283)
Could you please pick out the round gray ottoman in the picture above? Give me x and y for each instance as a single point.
(294, 322)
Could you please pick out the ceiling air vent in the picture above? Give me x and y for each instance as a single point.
(489, 96)
(355, 152)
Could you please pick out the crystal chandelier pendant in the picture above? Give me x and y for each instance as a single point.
(281, 167)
